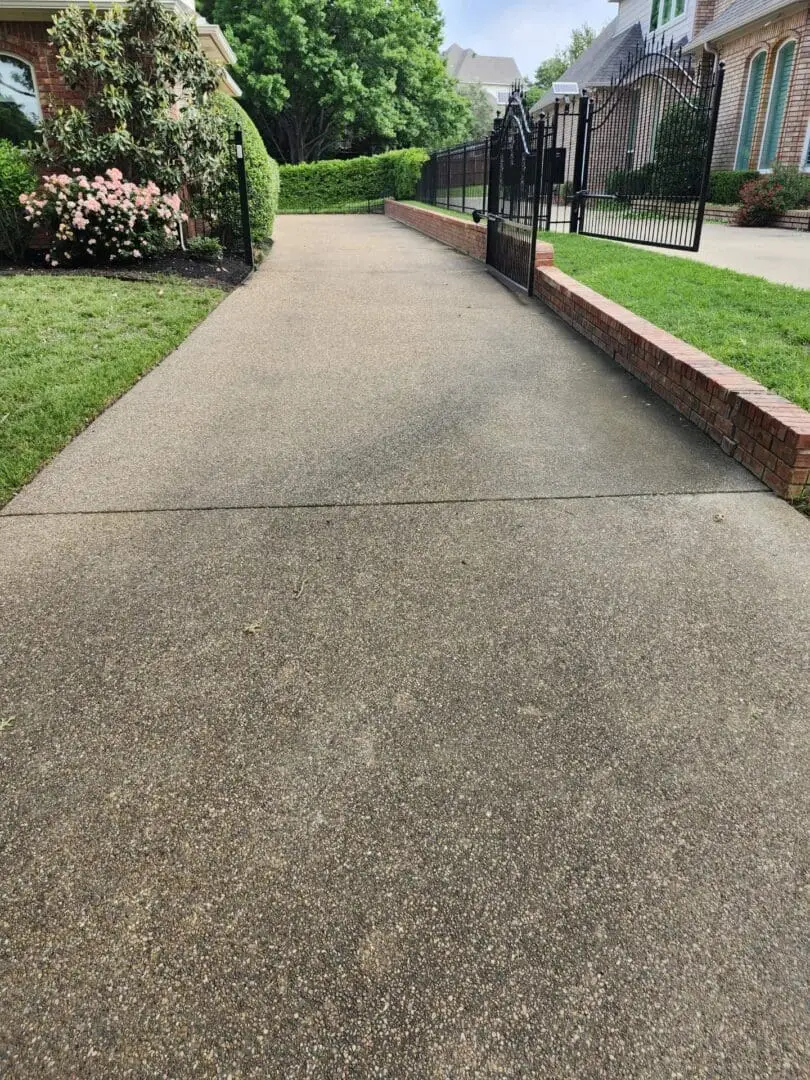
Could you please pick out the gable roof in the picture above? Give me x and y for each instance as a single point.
(467, 66)
(601, 62)
(740, 14)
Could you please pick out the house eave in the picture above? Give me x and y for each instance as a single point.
(708, 41)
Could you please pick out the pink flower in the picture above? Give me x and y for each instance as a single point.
(136, 254)
(115, 174)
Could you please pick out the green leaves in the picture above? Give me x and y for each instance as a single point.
(320, 75)
(145, 84)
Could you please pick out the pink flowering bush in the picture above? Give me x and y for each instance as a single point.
(106, 219)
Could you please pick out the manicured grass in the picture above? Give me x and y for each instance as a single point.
(753, 325)
(69, 346)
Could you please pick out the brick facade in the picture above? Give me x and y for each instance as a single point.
(29, 41)
(736, 54)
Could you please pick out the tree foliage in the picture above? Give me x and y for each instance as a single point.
(481, 115)
(145, 86)
(321, 75)
(552, 69)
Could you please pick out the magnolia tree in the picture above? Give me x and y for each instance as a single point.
(145, 86)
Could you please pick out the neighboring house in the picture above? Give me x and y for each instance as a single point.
(496, 74)
(30, 81)
(765, 47)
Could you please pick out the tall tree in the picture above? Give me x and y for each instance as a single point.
(320, 73)
(552, 69)
(481, 113)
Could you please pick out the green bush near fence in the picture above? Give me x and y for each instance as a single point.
(321, 185)
(725, 184)
(16, 177)
(261, 173)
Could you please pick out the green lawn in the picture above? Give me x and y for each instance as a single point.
(69, 346)
(750, 324)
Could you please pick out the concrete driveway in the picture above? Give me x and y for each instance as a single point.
(780, 255)
(400, 691)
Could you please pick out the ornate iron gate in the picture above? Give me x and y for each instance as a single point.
(627, 163)
(646, 151)
(513, 197)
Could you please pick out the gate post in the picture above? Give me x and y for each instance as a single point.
(707, 165)
(550, 151)
(580, 164)
(539, 142)
(494, 186)
(247, 239)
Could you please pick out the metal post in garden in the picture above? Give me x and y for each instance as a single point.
(247, 240)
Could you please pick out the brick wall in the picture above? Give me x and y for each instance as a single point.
(765, 433)
(736, 55)
(29, 41)
(464, 236)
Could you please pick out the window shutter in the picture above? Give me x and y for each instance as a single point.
(777, 105)
(753, 93)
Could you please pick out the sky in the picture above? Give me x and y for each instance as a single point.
(529, 30)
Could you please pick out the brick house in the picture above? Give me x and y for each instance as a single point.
(765, 47)
(30, 82)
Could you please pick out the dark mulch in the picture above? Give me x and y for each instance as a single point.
(227, 273)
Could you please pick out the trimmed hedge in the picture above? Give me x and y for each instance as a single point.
(16, 178)
(725, 184)
(261, 171)
(320, 185)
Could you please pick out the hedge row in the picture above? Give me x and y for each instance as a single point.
(725, 184)
(261, 172)
(319, 185)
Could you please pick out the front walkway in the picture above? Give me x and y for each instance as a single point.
(400, 690)
(781, 255)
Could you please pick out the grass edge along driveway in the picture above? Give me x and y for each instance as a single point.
(756, 326)
(70, 346)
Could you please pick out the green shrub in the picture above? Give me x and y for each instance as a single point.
(204, 249)
(16, 178)
(261, 172)
(680, 150)
(795, 183)
(322, 184)
(631, 183)
(725, 184)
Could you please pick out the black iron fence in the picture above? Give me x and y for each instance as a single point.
(223, 213)
(627, 162)
(457, 178)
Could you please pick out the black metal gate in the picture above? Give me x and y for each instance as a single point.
(648, 145)
(513, 197)
(630, 162)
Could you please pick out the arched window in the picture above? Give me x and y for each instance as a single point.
(753, 93)
(19, 101)
(777, 103)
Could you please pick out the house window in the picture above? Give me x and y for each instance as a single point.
(665, 11)
(783, 69)
(805, 165)
(19, 102)
(503, 97)
(753, 93)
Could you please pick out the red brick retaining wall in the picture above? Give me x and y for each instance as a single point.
(767, 434)
(798, 220)
(464, 236)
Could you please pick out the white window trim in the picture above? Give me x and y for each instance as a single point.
(761, 168)
(673, 18)
(759, 52)
(14, 56)
(804, 160)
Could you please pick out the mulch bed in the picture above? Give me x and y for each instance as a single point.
(227, 273)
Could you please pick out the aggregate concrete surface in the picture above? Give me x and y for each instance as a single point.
(388, 704)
